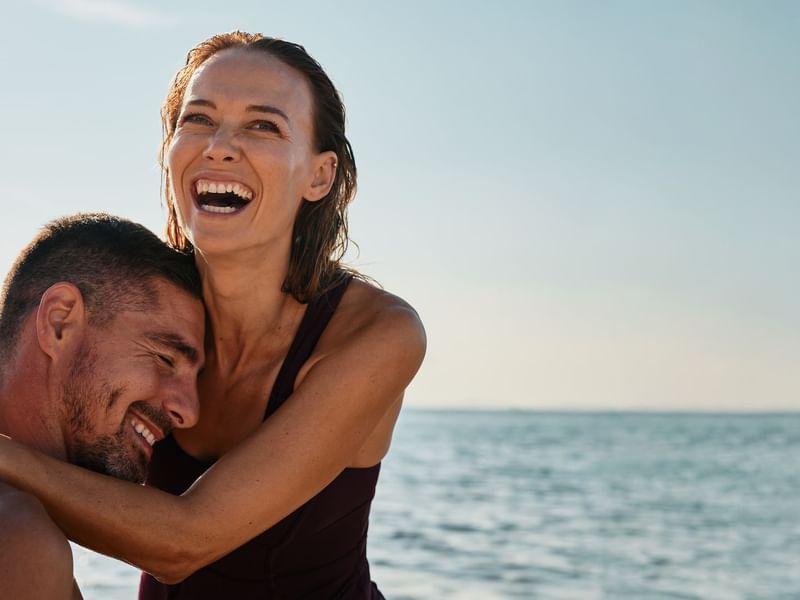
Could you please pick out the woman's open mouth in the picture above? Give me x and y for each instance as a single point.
(221, 197)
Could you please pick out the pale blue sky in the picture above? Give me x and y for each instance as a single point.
(592, 204)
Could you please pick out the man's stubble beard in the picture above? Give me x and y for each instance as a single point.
(84, 394)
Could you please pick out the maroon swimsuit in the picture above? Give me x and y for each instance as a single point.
(318, 551)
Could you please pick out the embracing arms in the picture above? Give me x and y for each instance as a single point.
(289, 459)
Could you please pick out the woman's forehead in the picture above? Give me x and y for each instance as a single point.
(250, 77)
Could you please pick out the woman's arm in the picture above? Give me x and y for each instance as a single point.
(289, 459)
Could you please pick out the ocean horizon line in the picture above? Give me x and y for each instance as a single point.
(605, 411)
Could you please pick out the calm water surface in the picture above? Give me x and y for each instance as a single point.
(490, 505)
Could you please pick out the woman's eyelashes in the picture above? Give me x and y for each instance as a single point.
(267, 126)
(260, 126)
(195, 119)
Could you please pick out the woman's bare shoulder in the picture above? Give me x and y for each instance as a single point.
(367, 306)
(369, 315)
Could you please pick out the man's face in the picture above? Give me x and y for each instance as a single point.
(131, 382)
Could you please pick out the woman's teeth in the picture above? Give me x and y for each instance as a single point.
(204, 186)
(218, 209)
(222, 197)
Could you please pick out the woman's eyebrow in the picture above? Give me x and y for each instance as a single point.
(261, 108)
(265, 108)
(201, 102)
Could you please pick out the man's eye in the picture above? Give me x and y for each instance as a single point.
(166, 360)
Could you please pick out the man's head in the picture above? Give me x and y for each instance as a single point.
(114, 318)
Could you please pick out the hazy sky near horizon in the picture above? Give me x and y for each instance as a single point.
(593, 205)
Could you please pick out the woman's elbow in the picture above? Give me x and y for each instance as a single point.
(177, 564)
(171, 577)
(174, 572)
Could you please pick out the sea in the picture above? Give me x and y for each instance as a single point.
(522, 504)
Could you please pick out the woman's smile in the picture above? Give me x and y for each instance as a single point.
(220, 197)
(243, 145)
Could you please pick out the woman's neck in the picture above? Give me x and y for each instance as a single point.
(248, 314)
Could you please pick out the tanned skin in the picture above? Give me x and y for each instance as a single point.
(52, 400)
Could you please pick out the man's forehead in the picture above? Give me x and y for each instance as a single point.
(173, 300)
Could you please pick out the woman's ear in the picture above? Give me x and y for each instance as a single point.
(60, 319)
(325, 165)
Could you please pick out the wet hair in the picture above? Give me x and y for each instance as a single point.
(112, 261)
(320, 236)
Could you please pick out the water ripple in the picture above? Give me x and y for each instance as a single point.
(575, 506)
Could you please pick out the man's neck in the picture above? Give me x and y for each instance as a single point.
(25, 416)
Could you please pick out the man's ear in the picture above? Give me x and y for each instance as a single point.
(325, 164)
(61, 319)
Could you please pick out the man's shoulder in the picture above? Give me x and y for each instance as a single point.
(22, 513)
(35, 556)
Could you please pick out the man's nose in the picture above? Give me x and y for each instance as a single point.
(182, 404)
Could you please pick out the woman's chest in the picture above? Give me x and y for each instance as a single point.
(230, 411)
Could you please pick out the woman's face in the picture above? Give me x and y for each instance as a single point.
(242, 157)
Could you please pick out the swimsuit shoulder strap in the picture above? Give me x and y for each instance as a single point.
(316, 318)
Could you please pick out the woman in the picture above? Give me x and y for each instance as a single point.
(305, 364)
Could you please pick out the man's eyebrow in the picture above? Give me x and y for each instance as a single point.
(262, 108)
(176, 342)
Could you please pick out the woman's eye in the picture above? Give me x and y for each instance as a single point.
(265, 126)
(196, 119)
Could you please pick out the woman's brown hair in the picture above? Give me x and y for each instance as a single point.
(320, 237)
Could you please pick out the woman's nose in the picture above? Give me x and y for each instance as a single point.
(222, 147)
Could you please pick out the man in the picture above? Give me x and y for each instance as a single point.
(101, 341)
